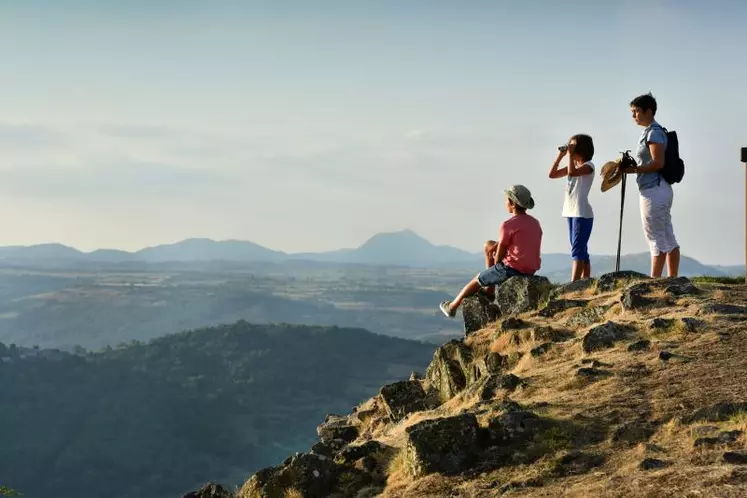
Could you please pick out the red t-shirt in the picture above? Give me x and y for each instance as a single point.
(522, 235)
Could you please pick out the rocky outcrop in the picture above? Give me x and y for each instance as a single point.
(521, 294)
(478, 312)
(513, 323)
(451, 369)
(613, 281)
(314, 474)
(555, 306)
(337, 427)
(719, 412)
(681, 286)
(604, 336)
(652, 464)
(402, 398)
(642, 345)
(474, 412)
(633, 297)
(446, 445)
(210, 490)
(723, 309)
(541, 349)
(329, 448)
(588, 316)
(724, 438)
(735, 457)
(633, 433)
(514, 427)
(577, 463)
(550, 334)
(351, 454)
(494, 386)
(577, 286)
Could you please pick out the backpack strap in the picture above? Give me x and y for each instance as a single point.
(665, 147)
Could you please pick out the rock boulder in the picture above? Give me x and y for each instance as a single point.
(210, 490)
(478, 312)
(521, 294)
(402, 398)
(446, 445)
(603, 336)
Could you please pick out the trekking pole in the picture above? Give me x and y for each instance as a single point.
(620, 230)
(744, 160)
(622, 209)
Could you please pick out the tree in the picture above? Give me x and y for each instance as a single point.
(6, 491)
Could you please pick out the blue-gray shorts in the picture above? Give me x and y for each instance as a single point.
(496, 275)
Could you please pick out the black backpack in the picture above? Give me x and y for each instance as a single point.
(674, 166)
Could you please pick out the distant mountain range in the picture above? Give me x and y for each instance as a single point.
(403, 248)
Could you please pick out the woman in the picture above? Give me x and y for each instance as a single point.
(576, 207)
(655, 192)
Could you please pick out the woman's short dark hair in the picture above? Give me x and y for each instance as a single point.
(645, 102)
(584, 146)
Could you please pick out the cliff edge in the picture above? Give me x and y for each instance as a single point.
(617, 386)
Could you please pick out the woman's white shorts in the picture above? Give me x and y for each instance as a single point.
(656, 214)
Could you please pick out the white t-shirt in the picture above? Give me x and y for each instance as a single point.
(576, 204)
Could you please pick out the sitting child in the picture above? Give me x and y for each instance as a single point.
(517, 251)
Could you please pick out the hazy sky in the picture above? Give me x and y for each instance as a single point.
(311, 125)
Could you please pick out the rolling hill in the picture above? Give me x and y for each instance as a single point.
(156, 419)
(402, 248)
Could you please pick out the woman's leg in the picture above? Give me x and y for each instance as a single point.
(673, 256)
(673, 262)
(653, 218)
(657, 264)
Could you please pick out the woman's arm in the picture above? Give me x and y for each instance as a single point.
(656, 145)
(657, 159)
(554, 171)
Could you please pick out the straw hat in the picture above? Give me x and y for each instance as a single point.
(611, 174)
(613, 171)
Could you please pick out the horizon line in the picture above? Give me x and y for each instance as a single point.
(218, 241)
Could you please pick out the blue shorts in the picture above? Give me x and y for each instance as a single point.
(579, 230)
(496, 275)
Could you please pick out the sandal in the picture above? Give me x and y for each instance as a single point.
(444, 307)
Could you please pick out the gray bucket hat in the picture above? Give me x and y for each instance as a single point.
(520, 195)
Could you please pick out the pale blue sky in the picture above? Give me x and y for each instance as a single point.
(307, 126)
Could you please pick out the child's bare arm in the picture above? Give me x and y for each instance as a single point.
(556, 172)
(500, 252)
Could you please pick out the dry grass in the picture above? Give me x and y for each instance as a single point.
(397, 473)
(638, 388)
(293, 493)
(506, 343)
